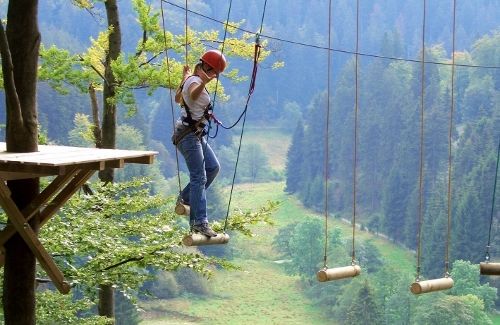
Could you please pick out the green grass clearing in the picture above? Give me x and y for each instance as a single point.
(273, 142)
(495, 318)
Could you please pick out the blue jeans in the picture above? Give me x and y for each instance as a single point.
(203, 167)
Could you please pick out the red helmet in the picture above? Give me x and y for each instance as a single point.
(214, 59)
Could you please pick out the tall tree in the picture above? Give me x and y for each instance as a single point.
(467, 281)
(305, 245)
(364, 308)
(295, 160)
(108, 130)
(20, 45)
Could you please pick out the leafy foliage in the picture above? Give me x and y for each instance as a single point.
(466, 282)
(54, 308)
(440, 309)
(303, 243)
(118, 232)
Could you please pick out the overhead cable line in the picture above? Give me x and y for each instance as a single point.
(377, 56)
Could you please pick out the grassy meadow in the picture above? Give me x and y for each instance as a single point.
(273, 142)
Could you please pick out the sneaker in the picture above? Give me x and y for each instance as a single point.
(204, 229)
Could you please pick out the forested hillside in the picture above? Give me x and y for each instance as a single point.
(284, 144)
(388, 152)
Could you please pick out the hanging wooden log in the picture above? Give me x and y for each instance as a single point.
(182, 209)
(488, 268)
(338, 273)
(202, 240)
(419, 287)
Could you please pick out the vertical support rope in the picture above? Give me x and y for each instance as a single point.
(250, 92)
(487, 255)
(217, 79)
(186, 33)
(222, 51)
(355, 162)
(170, 92)
(327, 131)
(213, 108)
(450, 138)
(421, 166)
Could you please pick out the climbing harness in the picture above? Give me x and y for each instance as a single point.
(192, 125)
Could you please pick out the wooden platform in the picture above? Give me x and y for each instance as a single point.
(58, 160)
(72, 167)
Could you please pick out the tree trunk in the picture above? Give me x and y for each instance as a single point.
(106, 300)
(20, 76)
(19, 269)
(109, 88)
(23, 38)
(108, 130)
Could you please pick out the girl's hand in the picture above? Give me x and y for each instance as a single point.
(186, 72)
(206, 77)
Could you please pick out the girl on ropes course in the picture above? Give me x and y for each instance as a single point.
(196, 112)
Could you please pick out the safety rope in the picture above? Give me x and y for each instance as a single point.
(327, 133)
(217, 122)
(186, 33)
(256, 56)
(355, 158)
(170, 92)
(250, 92)
(487, 255)
(450, 138)
(421, 166)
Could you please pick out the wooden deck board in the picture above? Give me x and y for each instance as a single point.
(51, 159)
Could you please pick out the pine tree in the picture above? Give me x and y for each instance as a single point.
(364, 308)
(295, 158)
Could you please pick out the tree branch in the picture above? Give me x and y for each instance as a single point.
(95, 117)
(9, 84)
(151, 59)
(96, 71)
(128, 260)
(144, 40)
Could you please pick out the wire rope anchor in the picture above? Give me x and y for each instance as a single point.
(257, 39)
